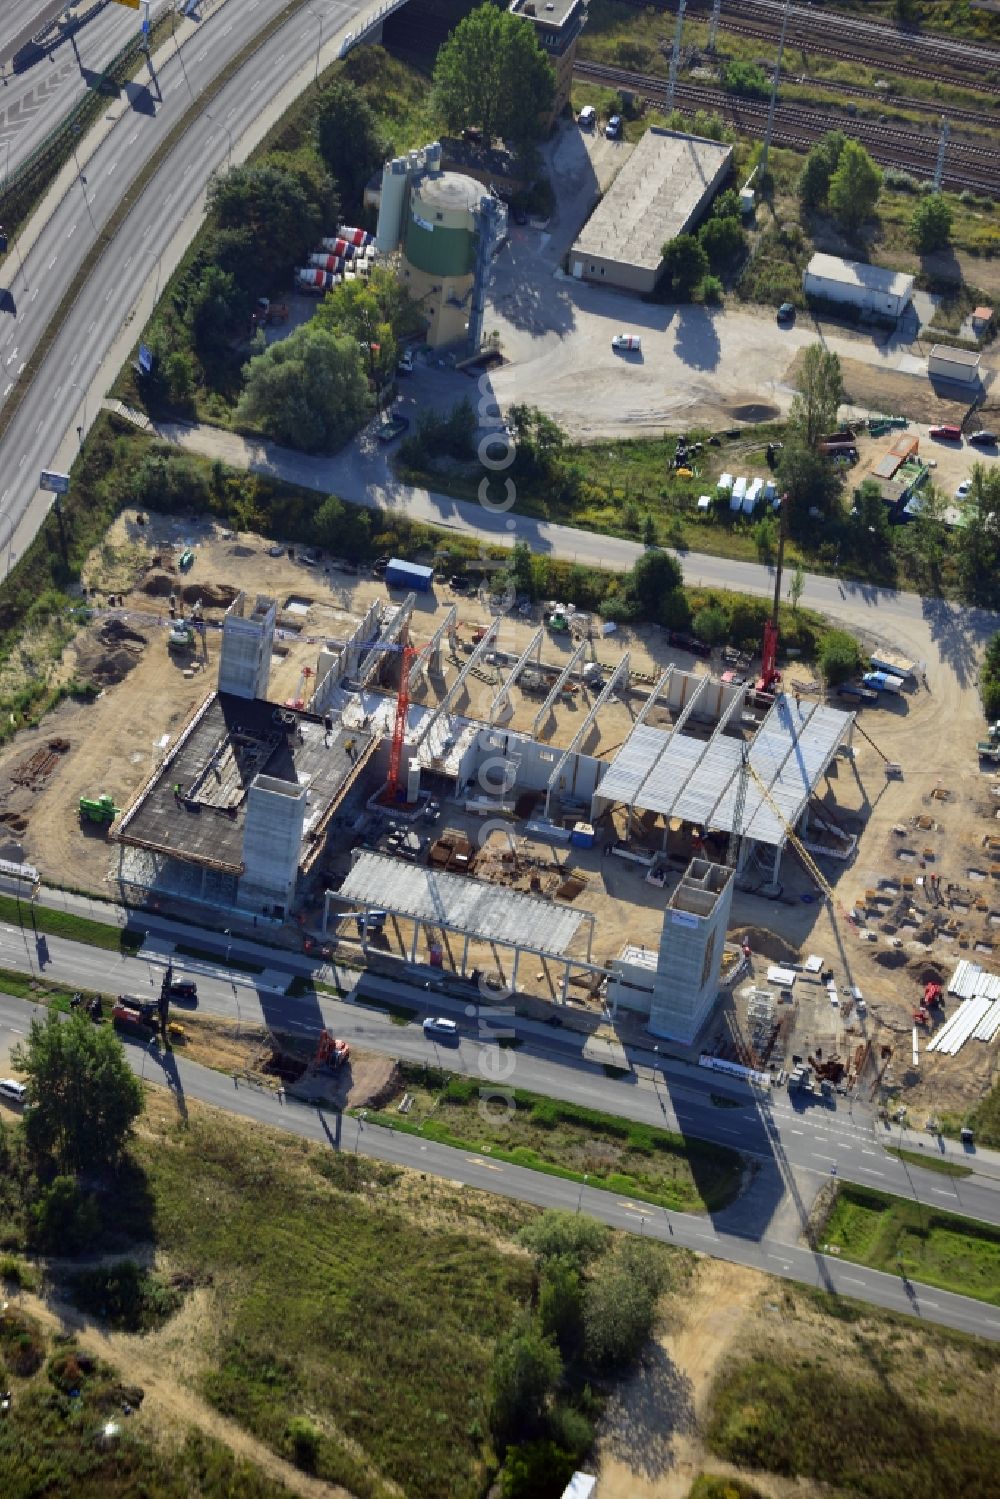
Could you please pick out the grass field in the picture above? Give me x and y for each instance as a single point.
(337, 1302)
(983, 1119)
(941, 1249)
(929, 1162)
(563, 1139)
(38, 918)
(48, 1439)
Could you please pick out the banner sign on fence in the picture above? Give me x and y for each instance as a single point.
(53, 482)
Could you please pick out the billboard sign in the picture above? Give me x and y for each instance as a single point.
(145, 359)
(53, 482)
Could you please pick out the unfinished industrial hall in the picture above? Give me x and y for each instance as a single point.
(445, 802)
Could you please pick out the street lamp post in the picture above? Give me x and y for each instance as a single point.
(319, 44)
(75, 385)
(362, 1116)
(579, 1200)
(229, 136)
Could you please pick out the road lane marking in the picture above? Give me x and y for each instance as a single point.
(796, 1131)
(71, 231)
(870, 1172)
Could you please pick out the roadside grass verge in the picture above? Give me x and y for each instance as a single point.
(300, 987)
(929, 1162)
(243, 965)
(900, 1237)
(39, 991)
(983, 1119)
(564, 1139)
(850, 1432)
(38, 918)
(340, 1303)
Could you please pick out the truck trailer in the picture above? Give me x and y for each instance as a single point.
(895, 664)
(882, 681)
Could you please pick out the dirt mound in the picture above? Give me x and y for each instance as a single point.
(766, 944)
(892, 958)
(158, 585)
(241, 551)
(754, 411)
(112, 668)
(927, 973)
(212, 595)
(15, 822)
(117, 632)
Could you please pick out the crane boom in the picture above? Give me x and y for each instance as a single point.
(812, 868)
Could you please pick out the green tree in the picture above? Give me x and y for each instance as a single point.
(648, 531)
(64, 1219)
(217, 309)
(328, 523)
(275, 207)
(307, 391)
(869, 513)
(620, 1307)
(923, 545)
(839, 657)
(710, 624)
(373, 313)
(765, 537)
(492, 73)
(989, 679)
(820, 165)
(685, 263)
(746, 78)
(854, 187)
(178, 372)
(349, 139)
(977, 542)
(808, 482)
(796, 586)
(560, 1305)
(820, 394)
(711, 291)
(535, 1470)
(520, 567)
(930, 223)
(655, 577)
(83, 1097)
(556, 1234)
(723, 241)
(526, 1369)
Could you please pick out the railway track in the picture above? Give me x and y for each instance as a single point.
(808, 32)
(966, 165)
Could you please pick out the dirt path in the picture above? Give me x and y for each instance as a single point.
(167, 1397)
(649, 1442)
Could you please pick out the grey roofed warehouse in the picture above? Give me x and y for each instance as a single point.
(663, 188)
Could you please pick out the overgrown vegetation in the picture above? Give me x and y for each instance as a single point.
(915, 1241)
(565, 1139)
(983, 1119)
(803, 1417)
(126, 1296)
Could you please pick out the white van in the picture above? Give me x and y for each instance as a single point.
(587, 118)
(12, 1091)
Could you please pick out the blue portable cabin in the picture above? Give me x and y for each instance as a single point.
(400, 574)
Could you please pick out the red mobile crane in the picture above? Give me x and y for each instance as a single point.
(406, 656)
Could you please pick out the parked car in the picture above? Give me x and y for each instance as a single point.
(983, 438)
(275, 551)
(947, 434)
(405, 362)
(627, 343)
(440, 1025)
(12, 1090)
(613, 129)
(587, 118)
(786, 313)
(964, 489)
(184, 989)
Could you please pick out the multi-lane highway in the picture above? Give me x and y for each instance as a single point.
(40, 268)
(795, 1146)
(36, 97)
(770, 1254)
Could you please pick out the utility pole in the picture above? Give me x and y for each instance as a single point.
(774, 91)
(942, 148)
(713, 24)
(675, 56)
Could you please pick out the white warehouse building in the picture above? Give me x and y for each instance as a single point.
(872, 289)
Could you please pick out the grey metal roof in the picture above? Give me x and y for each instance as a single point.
(677, 775)
(460, 902)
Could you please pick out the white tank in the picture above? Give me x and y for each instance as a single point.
(390, 209)
(412, 781)
(432, 156)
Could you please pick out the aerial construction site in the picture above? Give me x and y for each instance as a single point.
(654, 843)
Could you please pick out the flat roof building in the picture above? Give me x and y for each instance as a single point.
(660, 192)
(960, 366)
(557, 24)
(873, 289)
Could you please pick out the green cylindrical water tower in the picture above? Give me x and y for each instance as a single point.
(440, 226)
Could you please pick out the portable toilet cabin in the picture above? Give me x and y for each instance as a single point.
(771, 494)
(737, 496)
(752, 496)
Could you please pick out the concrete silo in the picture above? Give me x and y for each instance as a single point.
(439, 251)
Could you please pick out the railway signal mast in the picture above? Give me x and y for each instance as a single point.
(713, 24)
(774, 92)
(675, 57)
(942, 148)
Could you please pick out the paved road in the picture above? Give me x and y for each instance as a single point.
(936, 630)
(788, 1260)
(34, 99)
(796, 1145)
(125, 276)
